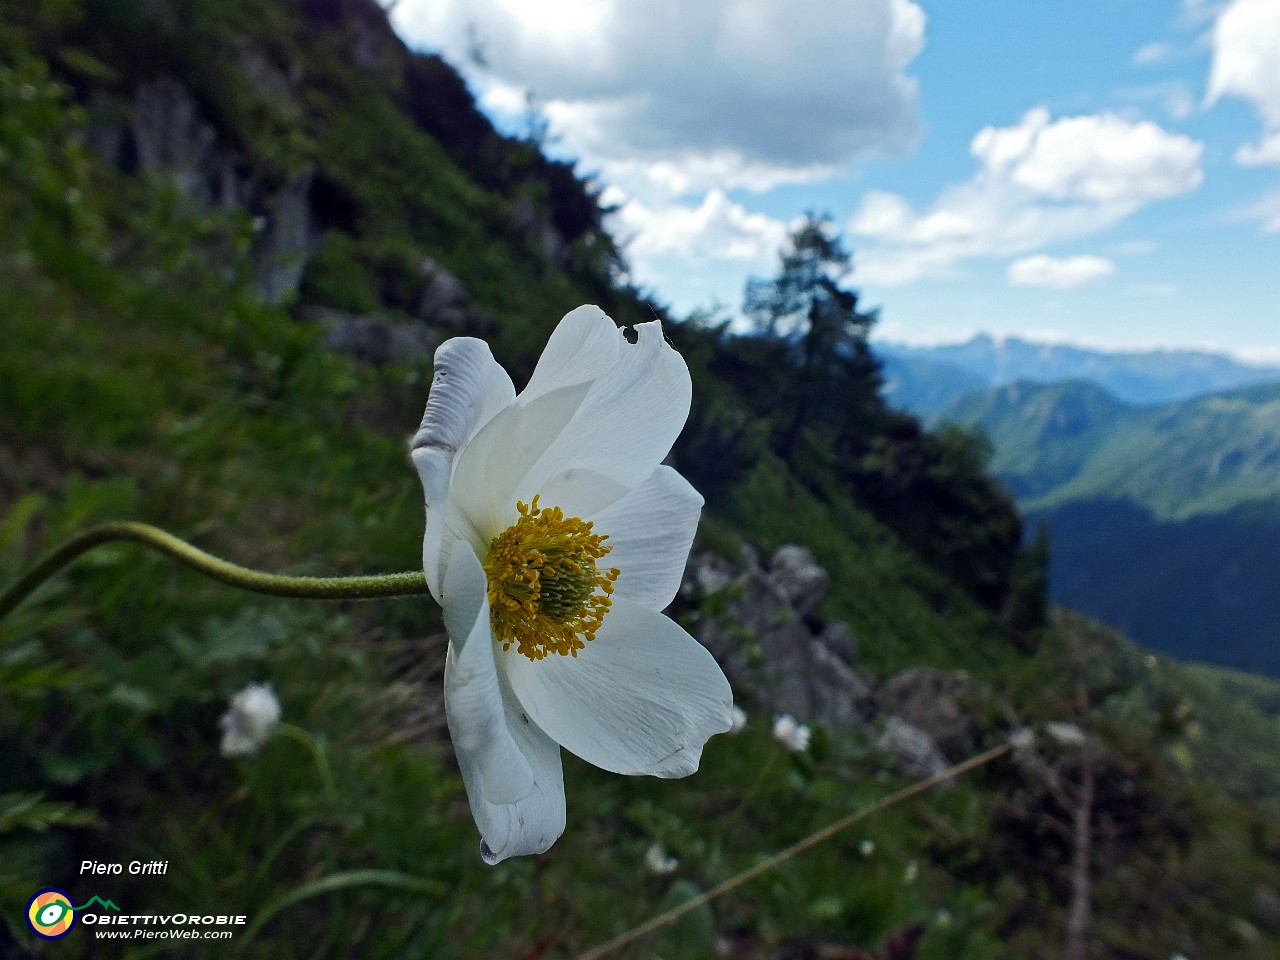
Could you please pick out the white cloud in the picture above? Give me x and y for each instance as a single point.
(727, 93)
(717, 229)
(1259, 356)
(1038, 181)
(1265, 152)
(691, 253)
(1197, 12)
(1150, 53)
(1102, 158)
(1246, 64)
(1060, 273)
(1265, 211)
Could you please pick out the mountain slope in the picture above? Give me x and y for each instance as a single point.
(1059, 443)
(234, 231)
(1163, 520)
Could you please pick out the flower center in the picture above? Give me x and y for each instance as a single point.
(543, 580)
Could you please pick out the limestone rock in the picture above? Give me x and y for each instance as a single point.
(443, 295)
(931, 701)
(374, 339)
(838, 638)
(799, 577)
(163, 130)
(751, 625)
(288, 240)
(912, 750)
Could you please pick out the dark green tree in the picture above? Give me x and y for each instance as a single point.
(831, 380)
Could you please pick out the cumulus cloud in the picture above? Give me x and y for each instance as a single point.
(718, 228)
(677, 103)
(1246, 64)
(709, 93)
(1038, 181)
(1060, 273)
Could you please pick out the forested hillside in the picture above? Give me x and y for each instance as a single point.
(234, 234)
(1164, 520)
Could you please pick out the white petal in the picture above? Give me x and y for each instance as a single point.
(624, 427)
(643, 697)
(467, 390)
(580, 444)
(511, 770)
(533, 823)
(650, 532)
(489, 471)
(489, 474)
(583, 346)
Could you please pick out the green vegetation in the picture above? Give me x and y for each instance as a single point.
(1163, 519)
(145, 376)
(1064, 442)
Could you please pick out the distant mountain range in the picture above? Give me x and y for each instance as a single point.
(926, 380)
(1164, 519)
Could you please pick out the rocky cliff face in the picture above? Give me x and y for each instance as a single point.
(759, 619)
(161, 129)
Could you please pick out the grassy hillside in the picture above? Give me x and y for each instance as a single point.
(154, 367)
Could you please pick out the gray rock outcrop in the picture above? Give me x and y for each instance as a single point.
(162, 129)
(932, 702)
(911, 749)
(758, 633)
(375, 339)
(757, 619)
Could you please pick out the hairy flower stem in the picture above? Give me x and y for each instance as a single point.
(305, 588)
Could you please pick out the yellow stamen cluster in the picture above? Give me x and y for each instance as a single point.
(543, 580)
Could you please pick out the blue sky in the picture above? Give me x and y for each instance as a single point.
(1105, 173)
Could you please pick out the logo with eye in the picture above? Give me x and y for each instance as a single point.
(50, 914)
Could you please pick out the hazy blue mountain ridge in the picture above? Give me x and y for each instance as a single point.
(926, 380)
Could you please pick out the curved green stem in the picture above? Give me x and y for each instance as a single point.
(312, 588)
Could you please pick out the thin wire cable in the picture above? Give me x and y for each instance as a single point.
(800, 846)
(312, 588)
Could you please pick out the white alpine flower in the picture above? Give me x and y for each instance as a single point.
(792, 735)
(251, 720)
(657, 861)
(555, 537)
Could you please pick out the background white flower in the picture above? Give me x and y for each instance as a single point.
(555, 537)
(739, 719)
(657, 861)
(251, 720)
(792, 735)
